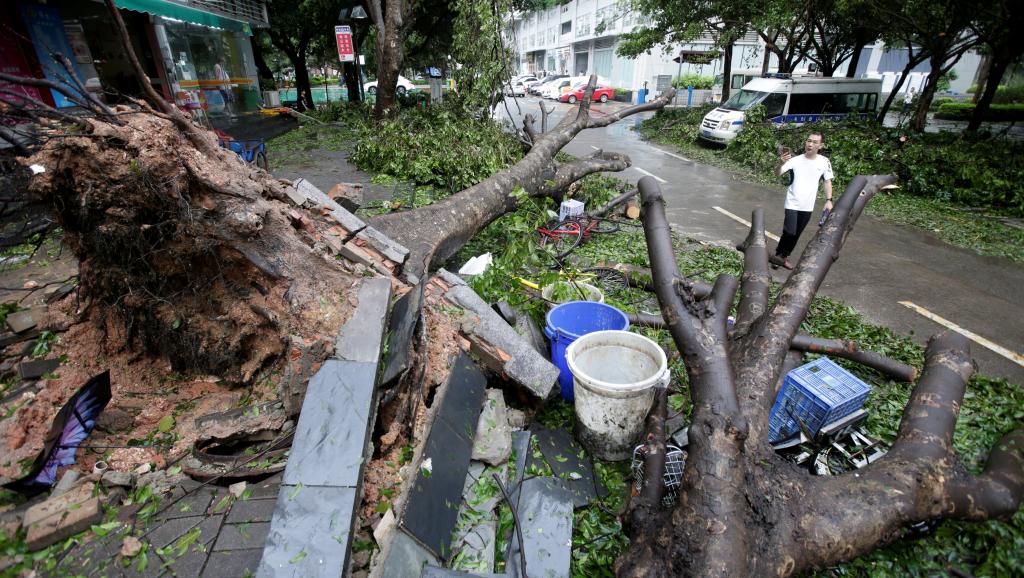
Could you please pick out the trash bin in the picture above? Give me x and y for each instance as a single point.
(641, 96)
(570, 321)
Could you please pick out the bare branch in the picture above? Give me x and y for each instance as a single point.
(784, 318)
(756, 279)
(850, 350)
(569, 173)
(655, 104)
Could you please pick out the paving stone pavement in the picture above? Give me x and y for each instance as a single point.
(205, 534)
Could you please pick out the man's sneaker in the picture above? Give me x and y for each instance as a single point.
(777, 262)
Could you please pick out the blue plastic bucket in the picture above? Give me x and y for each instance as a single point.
(570, 321)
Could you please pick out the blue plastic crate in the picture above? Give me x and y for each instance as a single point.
(817, 394)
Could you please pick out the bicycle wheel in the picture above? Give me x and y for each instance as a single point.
(608, 280)
(602, 226)
(562, 238)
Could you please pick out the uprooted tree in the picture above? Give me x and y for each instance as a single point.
(742, 509)
(187, 253)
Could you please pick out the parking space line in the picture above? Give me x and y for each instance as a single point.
(745, 222)
(995, 347)
(656, 177)
(674, 155)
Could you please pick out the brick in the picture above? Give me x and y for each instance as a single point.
(233, 563)
(251, 511)
(61, 517)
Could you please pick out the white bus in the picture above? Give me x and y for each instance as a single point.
(793, 100)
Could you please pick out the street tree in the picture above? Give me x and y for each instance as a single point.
(296, 28)
(838, 32)
(997, 25)
(680, 22)
(940, 30)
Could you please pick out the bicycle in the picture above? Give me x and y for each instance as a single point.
(566, 235)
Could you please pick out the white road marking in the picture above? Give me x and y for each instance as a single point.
(656, 177)
(744, 221)
(999, 349)
(595, 148)
(674, 155)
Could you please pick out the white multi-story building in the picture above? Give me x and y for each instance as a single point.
(581, 37)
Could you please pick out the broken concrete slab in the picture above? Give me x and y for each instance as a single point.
(241, 420)
(333, 429)
(404, 557)
(493, 441)
(58, 518)
(309, 532)
(20, 321)
(517, 358)
(383, 244)
(474, 550)
(432, 508)
(463, 398)
(310, 193)
(361, 337)
(405, 315)
(520, 452)
(570, 463)
(302, 358)
(348, 195)
(37, 368)
(545, 516)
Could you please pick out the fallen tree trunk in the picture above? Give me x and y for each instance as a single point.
(744, 511)
(433, 234)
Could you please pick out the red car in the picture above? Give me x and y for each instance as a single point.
(601, 93)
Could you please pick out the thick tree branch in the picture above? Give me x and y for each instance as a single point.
(756, 279)
(920, 478)
(770, 339)
(850, 350)
(569, 173)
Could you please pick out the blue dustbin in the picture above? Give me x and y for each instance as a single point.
(570, 321)
(641, 96)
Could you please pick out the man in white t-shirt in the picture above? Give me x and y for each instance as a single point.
(808, 169)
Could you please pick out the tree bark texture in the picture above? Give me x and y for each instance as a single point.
(743, 510)
(389, 19)
(992, 78)
(433, 234)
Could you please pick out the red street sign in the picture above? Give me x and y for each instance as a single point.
(343, 34)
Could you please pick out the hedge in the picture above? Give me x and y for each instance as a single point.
(951, 110)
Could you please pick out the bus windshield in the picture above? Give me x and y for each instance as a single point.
(744, 100)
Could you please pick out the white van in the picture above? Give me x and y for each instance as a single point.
(737, 79)
(792, 100)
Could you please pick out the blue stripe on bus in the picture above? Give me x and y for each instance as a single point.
(801, 118)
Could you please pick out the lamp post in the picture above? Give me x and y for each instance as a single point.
(356, 12)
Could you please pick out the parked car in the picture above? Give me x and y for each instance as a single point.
(601, 94)
(554, 89)
(535, 89)
(517, 87)
(402, 87)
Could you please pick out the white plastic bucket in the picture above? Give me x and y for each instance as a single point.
(614, 374)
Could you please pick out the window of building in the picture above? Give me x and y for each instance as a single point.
(566, 27)
(583, 26)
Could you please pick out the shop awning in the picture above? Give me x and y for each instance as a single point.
(185, 14)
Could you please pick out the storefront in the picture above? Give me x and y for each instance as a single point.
(198, 55)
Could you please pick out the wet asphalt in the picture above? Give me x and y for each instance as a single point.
(881, 266)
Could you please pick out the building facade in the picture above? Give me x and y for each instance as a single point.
(197, 53)
(581, 37)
